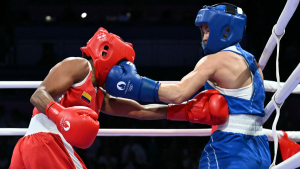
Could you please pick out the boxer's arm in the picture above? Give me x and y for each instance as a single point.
(129, 108)
(260, 71)
(59, 80)
(191, 83)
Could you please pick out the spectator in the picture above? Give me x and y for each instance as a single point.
(4, 119)
(17, 120)
(172, 155)
(192, 155)
(4, 44)
(108, 159)
(131, 161)
(4, 160)
(49, 58)
(133, 153)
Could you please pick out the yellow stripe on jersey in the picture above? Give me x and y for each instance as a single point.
(86, 96)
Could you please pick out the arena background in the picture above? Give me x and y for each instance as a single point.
(35, 35)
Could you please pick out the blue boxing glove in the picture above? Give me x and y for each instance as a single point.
(124, 81)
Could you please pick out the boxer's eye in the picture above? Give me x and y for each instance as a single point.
(106, 47)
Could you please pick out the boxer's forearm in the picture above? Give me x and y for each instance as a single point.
(40, 99)
(187, 87)
(129, 108)
(171, 93)
(154, 112)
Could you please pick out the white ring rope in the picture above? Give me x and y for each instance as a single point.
(276, 105)
(292, 135)
(281, 24)
(284, 92)
(19, 84)
(292, 162)
(270, 86)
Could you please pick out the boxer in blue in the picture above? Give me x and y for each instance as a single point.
(226, 67)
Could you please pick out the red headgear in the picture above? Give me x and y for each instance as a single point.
(107, 50)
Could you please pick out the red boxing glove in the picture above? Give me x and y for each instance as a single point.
(208, 107)
(78, 124)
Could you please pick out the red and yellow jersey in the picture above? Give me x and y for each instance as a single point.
(81, 94)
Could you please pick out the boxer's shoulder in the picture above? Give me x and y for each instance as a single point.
(74, 68)
(77, 61)
(227, 58)
(74, 65)
(223, 56)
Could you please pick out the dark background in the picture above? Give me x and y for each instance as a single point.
(167, 45)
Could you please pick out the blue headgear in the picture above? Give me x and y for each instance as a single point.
(219, 17)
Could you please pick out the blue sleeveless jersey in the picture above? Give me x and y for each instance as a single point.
(255, 105)
(230, 150)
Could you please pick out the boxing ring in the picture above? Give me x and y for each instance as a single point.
(282, 91)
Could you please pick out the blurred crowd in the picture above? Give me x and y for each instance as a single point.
(136, 14)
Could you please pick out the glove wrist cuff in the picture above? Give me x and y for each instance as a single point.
(53, 109)
(149, 90)
(177, 112)
(156, 91)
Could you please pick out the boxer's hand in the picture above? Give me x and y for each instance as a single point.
(78, 125)
(124, 81)
(207, 107)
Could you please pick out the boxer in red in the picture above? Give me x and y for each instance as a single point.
(68, 101)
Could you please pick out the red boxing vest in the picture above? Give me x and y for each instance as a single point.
(81, 94)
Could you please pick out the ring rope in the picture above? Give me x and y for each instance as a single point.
(270, 86)
(285, 16)
(284, 92)
(292, 162)
(292, 135)
(276, 105)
